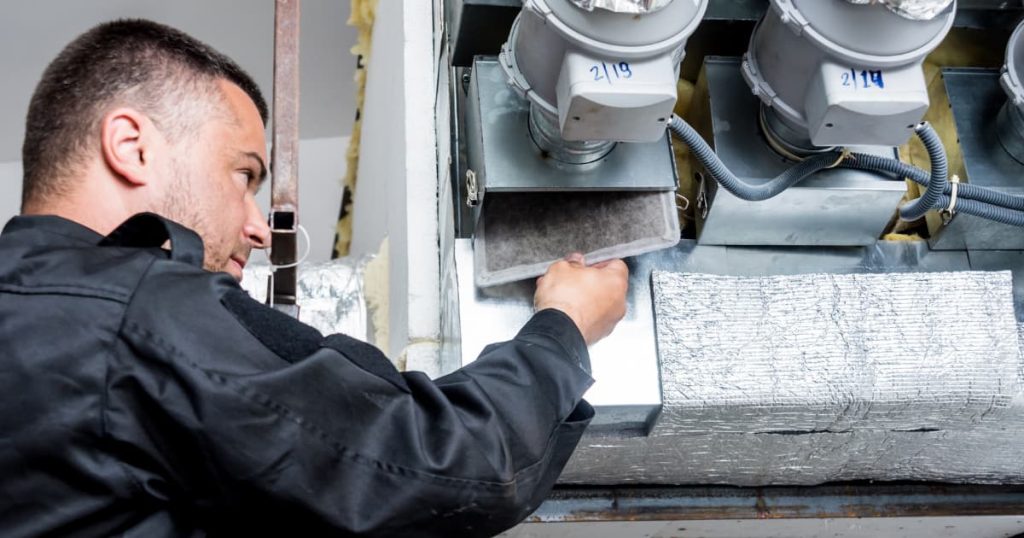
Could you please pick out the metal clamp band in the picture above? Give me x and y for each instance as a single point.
(950, 211)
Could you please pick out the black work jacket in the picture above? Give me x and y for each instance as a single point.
(143, 396)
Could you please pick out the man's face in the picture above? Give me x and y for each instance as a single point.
(213, 178)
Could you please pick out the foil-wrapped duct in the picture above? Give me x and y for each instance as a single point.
(823, 377)
(834, 353)
(918, 10)
(330, 294)
(622, 6)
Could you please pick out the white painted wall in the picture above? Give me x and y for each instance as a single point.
(32, 33)
(396, 194)
(10, 190)
(322, 169)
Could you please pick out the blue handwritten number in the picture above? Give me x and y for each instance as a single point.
(620, 70)
(876, 77)
(868, 79)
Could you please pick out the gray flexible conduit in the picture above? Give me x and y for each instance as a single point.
(937, 183)
(863, 161)
(983, 210)
(971, 199)
(735, 185)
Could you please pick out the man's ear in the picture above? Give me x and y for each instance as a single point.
(127, 139)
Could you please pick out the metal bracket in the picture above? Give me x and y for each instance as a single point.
(472, 192)
(949, 213)
(702, 195)
(281, 292)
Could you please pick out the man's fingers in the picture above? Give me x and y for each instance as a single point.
(615, 265)
(593, 297)
(575, 258)
(606, 263)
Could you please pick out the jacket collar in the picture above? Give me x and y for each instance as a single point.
(70, 230)
(143, 230)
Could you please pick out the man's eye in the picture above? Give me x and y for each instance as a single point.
(252, 180)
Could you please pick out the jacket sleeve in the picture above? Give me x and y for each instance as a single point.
(325, 435)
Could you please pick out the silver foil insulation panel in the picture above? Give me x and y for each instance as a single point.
(835, 353)
(822, 377)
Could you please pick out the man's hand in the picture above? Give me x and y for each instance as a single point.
(594, 297)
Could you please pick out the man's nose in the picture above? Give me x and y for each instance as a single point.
(256, 229)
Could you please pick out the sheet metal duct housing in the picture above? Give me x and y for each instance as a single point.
(566, 144)
(600, 75)
(990, 136)
(833, 73)
(838, 207)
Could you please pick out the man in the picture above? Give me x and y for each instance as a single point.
(145, 394)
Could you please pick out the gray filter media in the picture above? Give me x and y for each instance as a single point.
(521, 234)
(815, 378)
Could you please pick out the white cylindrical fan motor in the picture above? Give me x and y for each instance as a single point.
(835, 73)
(598, 71)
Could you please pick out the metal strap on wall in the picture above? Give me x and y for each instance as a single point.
(284, 211)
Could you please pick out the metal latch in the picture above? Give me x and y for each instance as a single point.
(472, 194)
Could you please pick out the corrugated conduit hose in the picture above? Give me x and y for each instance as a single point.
(971, 199)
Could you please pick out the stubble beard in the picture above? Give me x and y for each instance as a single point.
(185, 207)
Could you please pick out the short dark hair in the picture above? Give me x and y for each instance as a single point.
(126, 62)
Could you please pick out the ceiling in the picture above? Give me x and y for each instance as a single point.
(32, 33)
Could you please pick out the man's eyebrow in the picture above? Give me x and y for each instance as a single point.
(263, 166)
